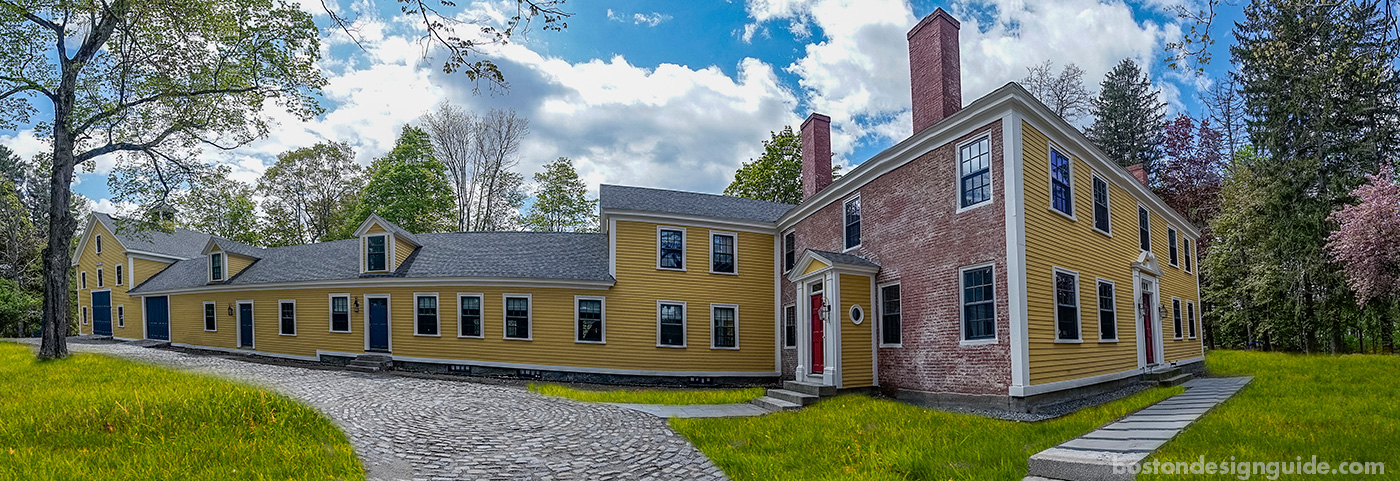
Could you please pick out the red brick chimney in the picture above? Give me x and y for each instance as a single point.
(1139, 173)
(816, 154)
(935, 75)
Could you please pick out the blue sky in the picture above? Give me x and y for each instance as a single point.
(678, 94)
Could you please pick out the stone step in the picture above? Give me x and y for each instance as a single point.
(809, 388)
(794, 397)
(1075, 465)
(775, 405)
(1176, 380)
(359, 368)
(1163, 373)
(375, 357)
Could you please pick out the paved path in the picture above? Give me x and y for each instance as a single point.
(696, 410)
(1133, 438)
(412, 428)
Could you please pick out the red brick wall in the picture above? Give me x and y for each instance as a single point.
(910, 227)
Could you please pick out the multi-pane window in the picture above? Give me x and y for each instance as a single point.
(211, 318)
(1144, 230)
(82, 280)
(1191, 319)
(376, 253)
(1101, 219)
(121, 316)
(724, 326)
(119, 274)
(1171, 246)
(1061, 183)
(99, 277)
(1066, 306)
(340, 314)
(1108, 314)
(517, 318)
(790, 326)
(975, 169)
(671, 243)
(216, 267)
(852, 222)
(85, 316)
(1176, 318)
(426, 315)
(671, 331)
(590, 320)
(99, 243)
(1186, 244)
(789, 251)
(722, 253)
(469, 317)
(889, 315)
(287, 314)
(978, 306)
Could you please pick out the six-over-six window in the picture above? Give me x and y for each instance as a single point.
(975, 172)
(590, 319)
(978, 304)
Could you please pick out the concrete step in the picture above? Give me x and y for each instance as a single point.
(775, 405)
(360, 368)
(1177, 380)
(809, 388)
(375, 357)
(1074, 465)
(794, 397)
(1163, 373)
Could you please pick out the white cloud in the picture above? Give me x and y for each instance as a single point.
(24, 143)
(651, 20)
(109, 207)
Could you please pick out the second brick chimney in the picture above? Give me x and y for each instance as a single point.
(935, 76)
(816, 154)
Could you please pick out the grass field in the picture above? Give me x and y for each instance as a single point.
(94, 417)
(856, 437)
(652, 396)
(1338, 408)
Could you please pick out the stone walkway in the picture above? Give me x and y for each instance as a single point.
(696, 410)
(412, 428)
(1133, 438)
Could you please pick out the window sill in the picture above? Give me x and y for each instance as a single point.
(459, 336)
(973, 206)
(426, 335)
(672, 269)
(1107, 341)
(892, 345)
(848, 249)
(333, 331)
(1069, 341)
(590, 342)
(976, 342)
(666, 346)
(517, 339)
(1071, 217)
(795, 347)
(1173, 265)
(286, 335)
(1178, 338)
(211, 330)
(1105, 233)
(713, 348)
(725, 273)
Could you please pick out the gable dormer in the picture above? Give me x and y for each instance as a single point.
(225, 258)
(383, 245)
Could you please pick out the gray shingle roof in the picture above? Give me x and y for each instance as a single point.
(235, 247)
(513, 255)
(182, 243)
(618, 197)
(847, 259)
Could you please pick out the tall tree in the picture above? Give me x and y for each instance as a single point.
(1128, 118)
(499, 190)
(1192, 170)
(1225, 109)
(19, 240)
(308, 193)
(1064, 93)
(156, 80)
(407, 187)
(1367, 243)
(11, 166)
(452, 130)
(561, 203)
(776, 175)
(221, 206)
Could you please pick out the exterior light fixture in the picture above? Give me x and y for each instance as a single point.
(230, 310)
(357, 304)
(826, 312)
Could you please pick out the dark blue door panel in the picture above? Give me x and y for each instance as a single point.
(379, 324)
(102, 313)
(158, 318)
(245, 325)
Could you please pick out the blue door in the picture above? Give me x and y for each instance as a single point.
(158, 318)
(379, 324)
(102, 313)
(245, 325)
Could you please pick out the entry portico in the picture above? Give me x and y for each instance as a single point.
(835, 343)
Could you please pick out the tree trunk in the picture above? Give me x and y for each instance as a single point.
(1387, 330)
(1337, 335)
(57, 255)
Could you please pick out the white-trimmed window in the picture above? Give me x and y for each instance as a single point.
(1102, 220)
(979, 312)
(1186, 245)
(589, 318)
(790, 327)
(1176, 318)
(724, 326)
(99, 277)
(789, 250)
(1108, 312)
(287, 315)
(975, 172)
(1171, 246)
(723, 248)
(340, 313)
(517, 312)
(82, 279)
(1191, 319)
(1066, 305)
(1061, 183)
(119, 274)
(99, 243)
(670, 248)
(670, 323)
(216, 267)
(377, 253)
(890, 334)
(121, 316)
(425, 314)
(469, 315)
(851, 215)
(211, 316)
(85, 316)
(1144, 230)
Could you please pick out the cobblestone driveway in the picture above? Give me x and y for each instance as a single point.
(410, 428)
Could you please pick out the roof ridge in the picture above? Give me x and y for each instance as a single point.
(743, 199)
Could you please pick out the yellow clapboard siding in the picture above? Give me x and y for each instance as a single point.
(815, 266)
(235, 264)
(375, 228)
(402, 249)
(89, 261)
(143, 269)
(857, 364)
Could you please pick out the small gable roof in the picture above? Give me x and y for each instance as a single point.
(399, 232)
(641, 199)
(839, 261)
(232, 247)
(177, 244)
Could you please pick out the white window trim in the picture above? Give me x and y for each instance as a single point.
(82, 280)
(1098, 311)
(293, 302)
(717, 233)
(98, 246)
(962, 302)
(205, 319)
(684, 240)
(714, 306)
(1191, 323)
(880, 313)
(1173, 244)
(685, 314)
(844, 203)
(438, 318)
(99, 278)
(121, 316)
(1187, 253)
(852, 314)
(349, 313)
(1108, 192)
(118, 274)
(1178, 334)
(783, 246)
(1078, 304)
(529, 316)
(481, 301)
(1051, 148)
(957, 179)
(85, 315)
(388, 255)
(794, 325)
(1143, 209)
(602, 320)
(223, 266)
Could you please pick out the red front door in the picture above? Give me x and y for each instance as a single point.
(817, 334)
(1147, 327)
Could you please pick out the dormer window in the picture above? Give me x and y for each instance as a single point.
(376, 253)
(216, 266)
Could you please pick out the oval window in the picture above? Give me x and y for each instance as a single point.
(857, 314)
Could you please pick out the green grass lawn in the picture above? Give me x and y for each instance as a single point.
(95, 417)
(854, 437)
(1339, 408)
(652, 396)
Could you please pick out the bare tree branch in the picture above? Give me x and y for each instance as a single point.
(23, 12)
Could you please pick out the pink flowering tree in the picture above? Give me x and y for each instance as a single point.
(1367, 244)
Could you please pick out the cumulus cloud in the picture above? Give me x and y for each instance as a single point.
(651, 20)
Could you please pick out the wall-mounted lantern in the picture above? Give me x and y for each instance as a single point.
(230, 310)
(357, 304)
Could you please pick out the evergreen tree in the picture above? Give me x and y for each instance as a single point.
(407, 187)
(775, 176)
(560, 202)
(1128, 118)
